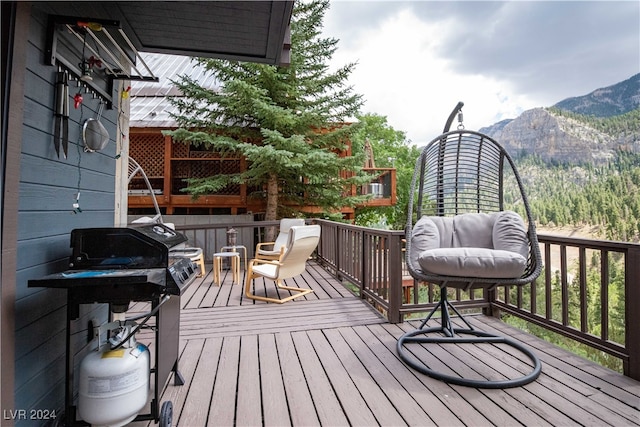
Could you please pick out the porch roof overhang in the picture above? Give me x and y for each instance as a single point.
(252, 31)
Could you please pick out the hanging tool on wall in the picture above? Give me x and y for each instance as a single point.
(61, 120)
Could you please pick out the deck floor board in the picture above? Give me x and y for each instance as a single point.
(272, 382)
(328, 358)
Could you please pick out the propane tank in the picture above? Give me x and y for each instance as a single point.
(114, 384)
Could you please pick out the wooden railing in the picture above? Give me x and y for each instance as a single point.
(211, 237)
(367, 258)
(372, 262)
(566, 271)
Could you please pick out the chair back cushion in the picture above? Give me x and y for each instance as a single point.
(471, 245)
(283, 235)
(303, 240)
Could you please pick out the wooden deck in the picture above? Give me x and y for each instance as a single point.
(329, 359)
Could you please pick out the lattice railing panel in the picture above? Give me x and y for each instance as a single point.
(148, 151)
(179, 149)
(182, 169)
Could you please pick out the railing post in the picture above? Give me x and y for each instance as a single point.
(365, 279)
(490, 295)
(337, 241)
(632, 309)
(395, 278)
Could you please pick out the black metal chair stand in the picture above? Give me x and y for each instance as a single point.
(455, 335)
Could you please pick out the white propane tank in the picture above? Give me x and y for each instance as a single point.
(113, 385)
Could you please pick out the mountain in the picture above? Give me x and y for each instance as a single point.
(589, 128)
(606, 102)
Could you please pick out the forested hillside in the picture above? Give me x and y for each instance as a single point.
(606, 195)
(603, 196)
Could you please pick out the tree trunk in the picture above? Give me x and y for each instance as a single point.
(271, 213)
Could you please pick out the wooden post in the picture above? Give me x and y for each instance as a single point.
(338, 244)
(632, 309)
(395, 278)
(18, 16)
(365, 279)
(490, 295)
(166, 182)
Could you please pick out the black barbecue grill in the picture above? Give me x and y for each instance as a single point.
(121, 265)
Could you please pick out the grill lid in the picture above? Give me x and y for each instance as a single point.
(138, 246)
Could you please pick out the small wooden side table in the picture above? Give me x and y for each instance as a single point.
(217, 266)
(234, 249)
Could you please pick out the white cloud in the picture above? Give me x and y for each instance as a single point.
(402, 76)
(416, 60)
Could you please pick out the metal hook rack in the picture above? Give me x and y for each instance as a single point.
(67, 40)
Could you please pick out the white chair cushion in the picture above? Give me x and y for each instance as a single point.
(425, 236)
(472, 230)
(267, 270)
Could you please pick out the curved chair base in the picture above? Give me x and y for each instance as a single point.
(298, 292)
(475, 338)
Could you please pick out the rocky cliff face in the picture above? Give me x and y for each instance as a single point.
(557, 138)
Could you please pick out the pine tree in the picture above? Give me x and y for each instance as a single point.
(289, 123)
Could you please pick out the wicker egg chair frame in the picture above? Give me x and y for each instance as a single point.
(460, 172)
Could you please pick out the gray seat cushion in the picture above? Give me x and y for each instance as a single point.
(471, 245)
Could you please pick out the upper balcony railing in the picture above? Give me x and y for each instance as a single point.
(584, 275)
(168, 165)
(382, 187)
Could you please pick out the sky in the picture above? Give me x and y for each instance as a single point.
(417, 59)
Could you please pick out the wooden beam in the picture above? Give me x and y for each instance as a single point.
(16, 17)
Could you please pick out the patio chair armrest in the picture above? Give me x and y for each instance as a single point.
(259, 245)
(264, 261)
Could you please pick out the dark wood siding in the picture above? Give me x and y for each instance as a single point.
(48, 188)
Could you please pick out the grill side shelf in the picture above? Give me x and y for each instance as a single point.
(96, 278)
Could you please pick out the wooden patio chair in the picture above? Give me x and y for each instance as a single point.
(465, 239)
(302, 241)
(281, 240)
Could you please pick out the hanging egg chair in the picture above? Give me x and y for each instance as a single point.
(460, 235)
